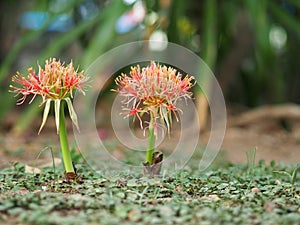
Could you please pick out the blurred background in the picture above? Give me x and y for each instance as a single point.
(252, 46)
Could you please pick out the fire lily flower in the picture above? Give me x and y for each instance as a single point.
(155, 90)
(55, 82)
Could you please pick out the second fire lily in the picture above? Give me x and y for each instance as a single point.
(154, 90)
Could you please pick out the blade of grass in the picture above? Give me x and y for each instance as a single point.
(27, 117)
(283, 17)
(264, 54)
(294, 2)
(7, 102)
(64, 39)
(14, 51)
(294, 175)
(208, 54)
(209, 34)
(176, 12)
(105, 33)
(250, 164)
(251, 154)
(25, 39)
(52, 155)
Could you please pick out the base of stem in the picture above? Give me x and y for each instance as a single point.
(154, 168)
(71, 176)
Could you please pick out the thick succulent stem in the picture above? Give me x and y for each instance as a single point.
(64, 142)
(151, 142)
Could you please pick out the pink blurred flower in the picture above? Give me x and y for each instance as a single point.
(154, 89)
(55, 82)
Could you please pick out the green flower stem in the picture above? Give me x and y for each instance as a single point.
(151, 142)
(64, 141)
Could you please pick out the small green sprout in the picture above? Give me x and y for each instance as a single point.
(292, 176)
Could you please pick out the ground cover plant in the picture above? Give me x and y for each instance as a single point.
(224, 194)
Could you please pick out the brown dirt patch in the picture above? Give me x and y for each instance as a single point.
(274, 130)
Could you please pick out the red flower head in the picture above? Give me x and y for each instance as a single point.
(154, 89)
(55, 82)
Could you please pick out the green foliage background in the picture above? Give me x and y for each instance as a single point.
(233, 37)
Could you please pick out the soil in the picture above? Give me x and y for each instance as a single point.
(273, 130)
